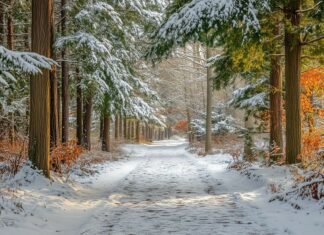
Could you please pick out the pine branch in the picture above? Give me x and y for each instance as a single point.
(311, 8)
(313, 40)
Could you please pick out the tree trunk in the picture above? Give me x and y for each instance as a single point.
(2, 31)
(10, 26)
(125, 128)
(146, 132)
(248, 139)
(129, 129)
(134, 130)
(120, 126)
(65, 79)
(10, 46)
(209, 105)
(116, 127)
(87, 122)
(106, 133)
(276, 107)
(39, 136)
(138, 131)
(292, 83)
(54, 90)
(101, 126)
(79, 117)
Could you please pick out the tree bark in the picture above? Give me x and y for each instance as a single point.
(2, 31)
(54, 120)
(248, 139)
(65, 79)
(10, 26)
(138, 131)
(10, 46)
(134, 130)
(106, 133)
(129, 129)
(120, 126)
(79, 118)
(116, 127)
(125, 128)
(208, 146)
(292, 83)
(39, 136)
(276, 107)
(87, 122)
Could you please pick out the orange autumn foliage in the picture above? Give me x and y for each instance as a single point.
(312, 84)
(182, 125)
(312, 142)
(65, 154)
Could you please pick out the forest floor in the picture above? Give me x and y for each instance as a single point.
(156, 189)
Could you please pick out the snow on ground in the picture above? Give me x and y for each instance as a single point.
(157, 189)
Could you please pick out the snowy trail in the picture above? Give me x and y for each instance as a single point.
(158, 189)
(170, 192)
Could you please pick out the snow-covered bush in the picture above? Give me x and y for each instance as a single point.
(252, 97)
(221, 124)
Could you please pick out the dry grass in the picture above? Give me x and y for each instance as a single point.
(12, 155)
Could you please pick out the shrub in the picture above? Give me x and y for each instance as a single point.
(65, 155)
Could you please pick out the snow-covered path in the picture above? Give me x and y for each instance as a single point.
(170, 192)
(158, 189)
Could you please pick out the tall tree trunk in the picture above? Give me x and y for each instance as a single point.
(106, 133)
(116, 127)
(134, 130)
(65, 79)
(79, 118)
(101, 126)
(138, 131)
(39, 136)
(248, 139)
(87, 122)
(188, 113)
(10, 26)
(120, 126)
(208, 146)
(10, 46)
(125, 128)
(276, 104)
(129, 132)
(292, 83)
(54, 130)
(2, 31)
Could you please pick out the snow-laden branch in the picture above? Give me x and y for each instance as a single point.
(24, 62)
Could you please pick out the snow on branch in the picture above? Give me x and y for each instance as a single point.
(201, 16)
(24, 62)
